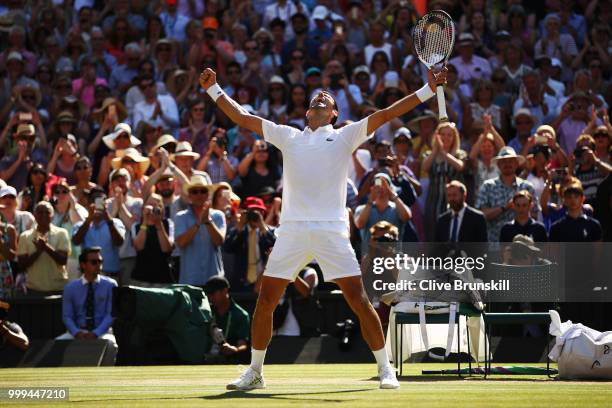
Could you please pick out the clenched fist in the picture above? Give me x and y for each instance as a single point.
(208, 78)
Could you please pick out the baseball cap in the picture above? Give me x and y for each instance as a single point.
(403, 131)
(320, 13)
(210, 23)
(8, 190)
(255, 203)
(466, 38)
(14, 55)
(362, 69)
(313, 71)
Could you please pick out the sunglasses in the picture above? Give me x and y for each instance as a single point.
(164, 48)
(523, 122)
(148, 85)
(60, 192)
(201, 191)
(251, 48)
(262, 149)
(81, 167)
(297, 57)
(197, 109)
(39, 172)
(94, 261)
(128, 161)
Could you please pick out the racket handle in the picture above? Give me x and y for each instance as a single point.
(441, 104)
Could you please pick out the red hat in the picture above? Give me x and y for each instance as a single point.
(210, 23)
(255, 203)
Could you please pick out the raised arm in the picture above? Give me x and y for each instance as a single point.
(233, 110)
(407, 103)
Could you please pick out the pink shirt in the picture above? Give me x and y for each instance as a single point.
(87, 95)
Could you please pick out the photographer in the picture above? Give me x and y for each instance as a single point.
(10, 333)
(153, 243)
(101, 230)
(217, 162)
(347, 95)
(231, 324)
(250, 241)
(383, 205)
(588, 168)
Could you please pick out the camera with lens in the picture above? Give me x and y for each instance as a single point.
(252, 216)
(209, 34)
(156, 211)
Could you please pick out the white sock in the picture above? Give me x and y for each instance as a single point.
(257, 359)
(382, 359)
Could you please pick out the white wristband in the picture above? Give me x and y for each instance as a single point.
(425, 93)
(215, 92)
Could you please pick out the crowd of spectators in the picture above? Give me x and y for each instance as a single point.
(108, 141)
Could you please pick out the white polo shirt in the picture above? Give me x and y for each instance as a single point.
(315, 168)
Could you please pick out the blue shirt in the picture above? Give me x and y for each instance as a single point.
(73, 304)
(389, 214)
(121, 75)
(200, 259)
(99, 235)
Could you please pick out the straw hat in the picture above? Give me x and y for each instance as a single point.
(19, 89)
(413, 125)
(98, 114)
(133, 154)
(184, 149)
(508, 152)
(171, 81)
(162, 141)
(198, 180)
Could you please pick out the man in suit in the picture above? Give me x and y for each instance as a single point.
(251, 241)
(460, 223)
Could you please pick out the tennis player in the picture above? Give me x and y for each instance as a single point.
(314, 221)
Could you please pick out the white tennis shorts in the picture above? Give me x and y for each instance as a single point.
(299, 242)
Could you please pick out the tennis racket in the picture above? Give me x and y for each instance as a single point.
(434, 39)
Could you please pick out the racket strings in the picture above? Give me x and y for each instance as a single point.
(434, 37)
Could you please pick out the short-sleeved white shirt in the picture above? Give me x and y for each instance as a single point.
(315, 168)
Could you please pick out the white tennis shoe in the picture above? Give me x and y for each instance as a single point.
(387, 378)
(248, 380)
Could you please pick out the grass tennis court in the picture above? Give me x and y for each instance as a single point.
(312, 385)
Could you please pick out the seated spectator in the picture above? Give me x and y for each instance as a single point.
(495, 198)
(83, 172)
(257, 170)
(43, 252)
(383, 205)
(587, 168)
(101, 230)
(523, 223)
(470, 67)
(35, 188)
(231, 323)
(575, 226)
(87, 302)
(67, 213)
(460, 223)
(199, 234)
(153, 241)
(251, 241)
(21, 220)
(523, 121)
(14, 167)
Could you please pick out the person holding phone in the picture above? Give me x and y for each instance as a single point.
(217, 162)
(14, 167)
(153, 241)
(101, 230)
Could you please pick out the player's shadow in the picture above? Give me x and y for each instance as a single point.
(285, 396)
